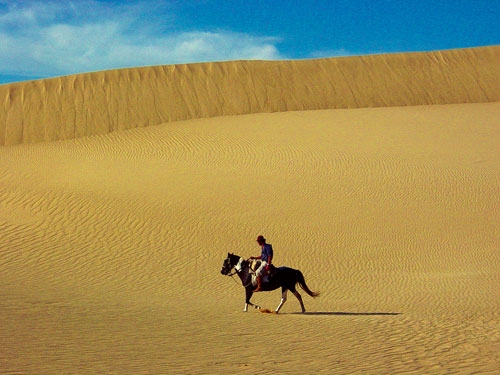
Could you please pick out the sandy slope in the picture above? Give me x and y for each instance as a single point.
(112, 245)
(101, 102)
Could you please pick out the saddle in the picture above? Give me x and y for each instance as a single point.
(254, 264)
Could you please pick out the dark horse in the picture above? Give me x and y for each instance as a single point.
(284, 277)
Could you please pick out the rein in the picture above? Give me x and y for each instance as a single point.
(236, 271)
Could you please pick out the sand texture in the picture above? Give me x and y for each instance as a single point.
(102, 102)
(112, 244)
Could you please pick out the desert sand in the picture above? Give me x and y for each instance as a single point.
(122, 192)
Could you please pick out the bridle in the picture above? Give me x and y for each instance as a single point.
(237, 269)
(227, 265)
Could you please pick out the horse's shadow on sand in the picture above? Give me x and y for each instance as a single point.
(345, 313)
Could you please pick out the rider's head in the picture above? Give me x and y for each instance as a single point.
(261, 240)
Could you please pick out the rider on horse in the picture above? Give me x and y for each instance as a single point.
(266, 257)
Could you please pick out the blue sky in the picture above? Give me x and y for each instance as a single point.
(40, 39)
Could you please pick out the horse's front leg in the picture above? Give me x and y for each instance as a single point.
(249, 293)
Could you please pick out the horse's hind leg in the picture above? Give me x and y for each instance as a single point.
(282, 302)
(299, 297)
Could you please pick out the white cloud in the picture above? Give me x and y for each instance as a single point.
(59, 38)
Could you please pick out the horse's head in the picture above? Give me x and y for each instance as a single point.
(229, 263)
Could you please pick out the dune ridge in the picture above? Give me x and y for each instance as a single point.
(101, 102)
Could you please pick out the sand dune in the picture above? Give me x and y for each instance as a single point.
(101, 102)
(112, 244)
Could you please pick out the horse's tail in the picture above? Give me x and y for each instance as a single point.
(303, 285)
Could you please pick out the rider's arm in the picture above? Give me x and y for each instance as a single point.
(269, 260)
